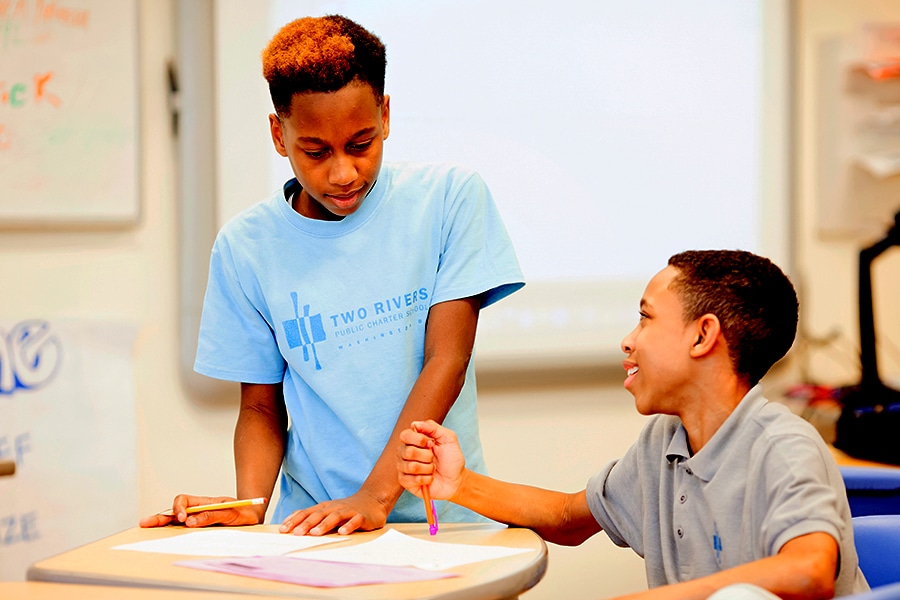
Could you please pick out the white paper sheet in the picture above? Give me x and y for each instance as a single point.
(229, 542)
(393, 548)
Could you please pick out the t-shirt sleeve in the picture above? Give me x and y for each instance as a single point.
(477, 254)
(235, 342)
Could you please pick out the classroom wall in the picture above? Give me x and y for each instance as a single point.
(550, 431)
(827, 265)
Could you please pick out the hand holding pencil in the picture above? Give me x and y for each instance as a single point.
(430, 511)
(431, 464)
(202, 511)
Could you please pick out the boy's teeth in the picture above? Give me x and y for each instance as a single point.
(632, 370)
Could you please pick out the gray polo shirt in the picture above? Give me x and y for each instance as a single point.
(764, 478)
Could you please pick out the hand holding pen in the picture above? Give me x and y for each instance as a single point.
(431, 464)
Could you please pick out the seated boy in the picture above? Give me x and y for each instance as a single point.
(722, 487)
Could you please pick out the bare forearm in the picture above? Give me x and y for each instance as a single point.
(804, 569)
(557, 517)
(449, 336)
(259, 445)
(431, 397)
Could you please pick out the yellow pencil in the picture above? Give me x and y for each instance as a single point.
(218, 506)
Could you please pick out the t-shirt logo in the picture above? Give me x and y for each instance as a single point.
(304, 331)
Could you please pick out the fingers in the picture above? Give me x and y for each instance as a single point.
(178, 515)
(413, 483)
(344, 516)
(412, 437)
(410, 456)
(415, 468)
(352, 525)
(156, 521)
(240, 515)
(229, 516)
(432, 435)
(415, 457)
(428, 428)
(294, 520)
(181, 503)
(317, 520)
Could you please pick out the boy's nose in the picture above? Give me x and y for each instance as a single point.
(343, 171)
(628, 342)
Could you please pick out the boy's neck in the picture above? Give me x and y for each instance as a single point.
(313, 209)
(708, 407)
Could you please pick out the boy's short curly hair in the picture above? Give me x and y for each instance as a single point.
(754, 300)
(321, 54)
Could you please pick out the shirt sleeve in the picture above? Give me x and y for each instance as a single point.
(477, 254)
(801, 498)
(616, 499)
(235, 342)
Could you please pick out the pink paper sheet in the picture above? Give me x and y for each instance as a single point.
(317, 573)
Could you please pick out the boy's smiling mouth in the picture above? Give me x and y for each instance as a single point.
(631, 371)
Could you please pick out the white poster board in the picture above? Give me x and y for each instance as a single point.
(67, 418)
(68, 112)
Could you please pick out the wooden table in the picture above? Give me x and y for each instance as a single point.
(98, 564)
(42, 590)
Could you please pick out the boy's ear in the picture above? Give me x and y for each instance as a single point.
(706, 331)
(277, 134)
(386, 116)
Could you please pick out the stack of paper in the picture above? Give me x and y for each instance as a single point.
(390, 558)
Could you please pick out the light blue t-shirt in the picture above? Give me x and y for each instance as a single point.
(337, 310)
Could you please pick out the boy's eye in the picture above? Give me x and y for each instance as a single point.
(360, 146)
(643, 315)
(315, 153)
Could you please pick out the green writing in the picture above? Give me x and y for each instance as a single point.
(18, 94)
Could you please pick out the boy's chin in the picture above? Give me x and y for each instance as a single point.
(643, 408)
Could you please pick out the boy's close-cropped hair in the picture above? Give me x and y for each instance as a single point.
(322, 54)
(755, 302)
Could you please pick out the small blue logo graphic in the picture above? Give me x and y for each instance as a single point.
(717, 544)
(304, 331)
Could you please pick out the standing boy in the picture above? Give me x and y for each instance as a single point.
(722, 487)
(347, 303)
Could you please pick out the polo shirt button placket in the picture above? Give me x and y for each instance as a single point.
(680, 532)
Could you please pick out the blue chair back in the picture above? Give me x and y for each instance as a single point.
(877, 540)
(885, 592)
(872, 490)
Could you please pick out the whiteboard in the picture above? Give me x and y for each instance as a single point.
(612, 135)
(68, 112)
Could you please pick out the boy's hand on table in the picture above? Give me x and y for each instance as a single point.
(430, 456)
(245, 515)
(357, 512)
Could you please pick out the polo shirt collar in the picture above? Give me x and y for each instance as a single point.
(705, 463)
